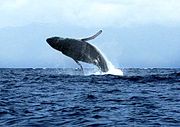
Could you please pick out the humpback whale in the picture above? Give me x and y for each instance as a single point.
(80, 50)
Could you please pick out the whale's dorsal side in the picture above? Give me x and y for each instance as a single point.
(92, 37)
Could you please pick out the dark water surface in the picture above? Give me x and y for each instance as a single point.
(51, 97)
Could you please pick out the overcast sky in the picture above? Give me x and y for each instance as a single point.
(136, 17)
(90, 13)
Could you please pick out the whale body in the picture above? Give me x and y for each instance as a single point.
(79, 50)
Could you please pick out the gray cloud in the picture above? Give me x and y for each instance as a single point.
(90, 13)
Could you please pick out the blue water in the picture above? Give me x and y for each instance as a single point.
(61, 97)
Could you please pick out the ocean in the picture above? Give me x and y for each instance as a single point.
(65, 98)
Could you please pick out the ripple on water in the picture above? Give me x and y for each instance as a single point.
(56, 97)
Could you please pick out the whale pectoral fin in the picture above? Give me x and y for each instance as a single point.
(92, 37)
(80, 66)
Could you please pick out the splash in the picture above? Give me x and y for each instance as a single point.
(113, 70)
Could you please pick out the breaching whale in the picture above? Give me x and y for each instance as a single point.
(80, 50)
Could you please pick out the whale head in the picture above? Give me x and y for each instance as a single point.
(55, 42)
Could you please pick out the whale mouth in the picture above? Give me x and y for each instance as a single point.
(49, 40)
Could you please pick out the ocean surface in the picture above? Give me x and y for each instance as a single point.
(65, 98)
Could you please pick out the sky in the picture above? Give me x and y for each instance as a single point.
(136, 33)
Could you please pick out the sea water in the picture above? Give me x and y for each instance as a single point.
(64, 97)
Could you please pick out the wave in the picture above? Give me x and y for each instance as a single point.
(170, 78)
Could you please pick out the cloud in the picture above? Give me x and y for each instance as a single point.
(12, 4)
(90, 13)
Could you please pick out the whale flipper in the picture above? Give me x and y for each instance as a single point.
(92, 37)
(80, 66)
